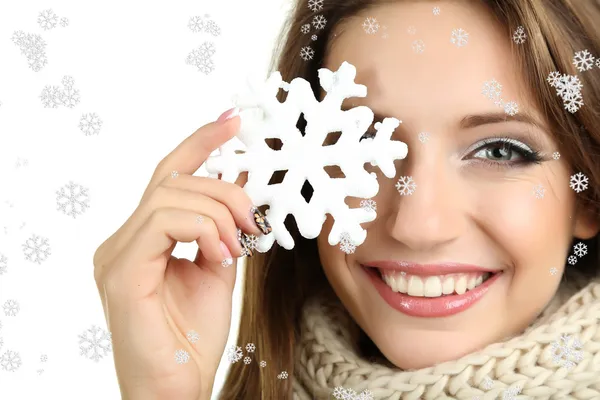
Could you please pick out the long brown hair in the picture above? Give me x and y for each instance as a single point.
(278, 282)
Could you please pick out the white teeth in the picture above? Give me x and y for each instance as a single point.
(433, 286)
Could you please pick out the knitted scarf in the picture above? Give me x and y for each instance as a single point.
(327, 357)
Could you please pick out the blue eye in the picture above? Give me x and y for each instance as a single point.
(504, 151)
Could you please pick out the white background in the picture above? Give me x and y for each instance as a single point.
(128, 62)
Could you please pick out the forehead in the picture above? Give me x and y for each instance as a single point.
(444, 79)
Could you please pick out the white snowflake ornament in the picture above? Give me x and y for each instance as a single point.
(263, 116)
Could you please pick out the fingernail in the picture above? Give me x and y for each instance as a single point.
(228, 260)
(246, 243)
(232, 112)
(261, 220)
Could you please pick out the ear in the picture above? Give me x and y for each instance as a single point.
(587, 222)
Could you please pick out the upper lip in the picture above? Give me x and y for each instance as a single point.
(427, 269)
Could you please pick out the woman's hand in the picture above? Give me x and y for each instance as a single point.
(151, 299)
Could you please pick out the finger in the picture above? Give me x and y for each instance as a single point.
(190, 154)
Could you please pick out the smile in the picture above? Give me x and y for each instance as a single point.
(430, 291)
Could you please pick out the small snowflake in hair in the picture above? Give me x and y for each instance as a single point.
(282, 375)
(247, 360)
(572, 260)
(436, 11)
(263, 364)
(250, 347)
(556, 155)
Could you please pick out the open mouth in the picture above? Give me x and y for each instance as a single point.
(431, 295)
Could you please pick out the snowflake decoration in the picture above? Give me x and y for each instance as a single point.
(51, 96)
(11, 308)
(305, 28)
(307, 53)
(553, 271)
(568, 87)
(64, 22)
(583, 60)
(519, 36)
(370, 25)
(598, 62)
(204, 24)
(33, 47)
(192, 336)
(436, 11)
(282, 375)
(346, 244)
(90, 124)
(539, 191)
(556, 155)
(424, 137)
(263, 364)
(368, 205)
(492, 89)
(459, 37)
(487, 383)
(40, 371)
(411, 30)
(95, 343)
(36, 249)
(511, 108)
(72, 199)
(406, 186)
(247, 360)
(314, 37)
(263, 117)
(47, 19)
(580, 249)
(43, 358)
(3, 264)
(234, 354)
(10, 361)
(250, 347)
(200, 57)
(182, 356)
(319, 22)
(579, 182)
(511, 393)
(566, 351)
(572, 260)
(350, 394)
(1, 342)
(315, 5)
(418, 46)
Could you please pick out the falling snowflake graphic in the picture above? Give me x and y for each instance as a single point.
(519, 36)
(436, 11)
(52, 97)
(568, 87)
(64, 22)
(72, 199)
(368, 205)
(200, 57)
(3, 264)
(307, 53)
(182, 356)
(598, 62)
(40, 371)
(305, 28)
(511, 108)
(556, 155)
(350, 394)
(370, 25)
(418, 46)
(492, 89)
(11, 308)
(314, 37)
(36, 249)
(572, 260)
(487, 383)
(346, 244)
(204, 24)
(566, 351)
(282, 375)
(315, 5)
(43, 358)
(250, 347)
(459, 37)
(511, 393)
(319, 22)
(583, 60)
(70, 97)
(192, 336)
(579, 182)
(580, 249)
(90, 124)
(539, 191)
(406, 186)
(33, 47)
(553, 271)
(95, 343)
(424, 137)
(247, 360)
(411, 30)
(10, 361)
(47, 19)
(234, 354)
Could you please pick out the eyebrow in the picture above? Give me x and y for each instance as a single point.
(473, 121)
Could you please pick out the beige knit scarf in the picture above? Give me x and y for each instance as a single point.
(327, 357)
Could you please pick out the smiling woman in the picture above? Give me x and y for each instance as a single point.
(461, 278)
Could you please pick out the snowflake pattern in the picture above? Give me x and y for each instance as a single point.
(305, 28)
(583, 60)
(519, 36)
(370, 25)
(36, 249)
(47, 20)
(539, 191)
(3, 264)
(282, 375)
(566, 351)
(33, 47)
(200, 57)
(424, 137)
(192, 336)
(580, 249)
(315, 5)
(263, 364)
(418, 46)
(556, 155)
(342, 393)
(90, 124)
(10, 361)
(511, 108)
(234, 354)
(411, 30)
(182, 356)
(72, 199)
(346, 244)
(319, 22)
(11, 308)
(64, 22)
(459, 37)
(568, 87)
(307, 53)
(51, 97)
(204, 24)
(511, 393)
(95, 343)
(250, 347)
(406, 186)
(579, 182)
(553, 271)
(492, 89)
(247, 360)
(368, 205)
(43, 358)
(487, 383)
(598, 62)
(436, 11)
(314, 37)
(572, 260)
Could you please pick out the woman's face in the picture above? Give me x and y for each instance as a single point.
(474, 212)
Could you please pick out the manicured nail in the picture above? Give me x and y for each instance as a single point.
(227, 115)
(261, 220)
(228, 260)
(246, 251)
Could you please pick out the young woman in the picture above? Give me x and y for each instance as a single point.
(462, 287)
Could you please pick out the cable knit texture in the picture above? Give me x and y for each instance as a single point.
(326, 357)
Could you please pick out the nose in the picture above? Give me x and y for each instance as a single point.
(435, 214)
